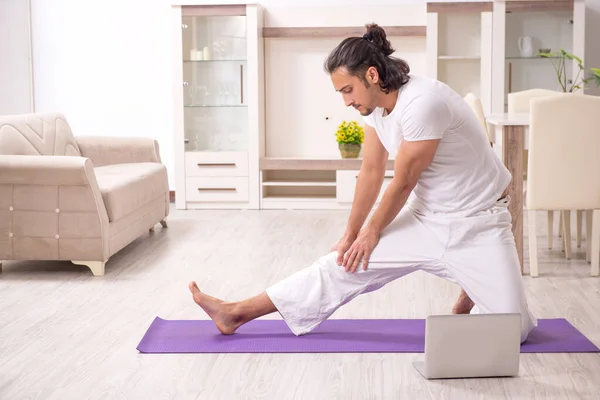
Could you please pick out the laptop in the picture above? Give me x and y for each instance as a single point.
(471, 346)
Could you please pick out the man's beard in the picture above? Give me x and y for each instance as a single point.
(367, 112)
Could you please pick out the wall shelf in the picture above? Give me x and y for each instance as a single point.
(341, 31)
(322, 164)
(311, 183)
(460, 7)
(298, 189)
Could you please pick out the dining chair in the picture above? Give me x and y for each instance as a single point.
(565, 128)
(519, 102)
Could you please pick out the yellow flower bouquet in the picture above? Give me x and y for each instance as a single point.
(350, 137)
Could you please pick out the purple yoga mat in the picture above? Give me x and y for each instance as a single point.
(334, 336)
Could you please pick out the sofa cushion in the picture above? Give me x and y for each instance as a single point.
(44, 134)
(127, 187)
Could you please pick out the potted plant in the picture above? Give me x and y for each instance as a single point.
(350, 137)
(561, 72)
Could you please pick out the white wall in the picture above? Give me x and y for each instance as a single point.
(106, 67)
(15, 56)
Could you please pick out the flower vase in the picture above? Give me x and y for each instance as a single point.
(350, 150)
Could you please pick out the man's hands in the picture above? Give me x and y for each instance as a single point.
(352, 251)
(342, 246)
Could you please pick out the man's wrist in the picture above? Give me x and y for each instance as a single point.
(351, 232)
(373, 227)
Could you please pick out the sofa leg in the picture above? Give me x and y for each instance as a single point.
(97, 267)
(0, 265)
(163, 223)
(151, 230)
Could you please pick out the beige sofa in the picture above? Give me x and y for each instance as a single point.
(77, 198)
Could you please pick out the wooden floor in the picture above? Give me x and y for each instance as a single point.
(65, 334)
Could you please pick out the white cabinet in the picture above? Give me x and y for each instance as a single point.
(542, 25)
(459, 47)
(217, 83)
(216, 164)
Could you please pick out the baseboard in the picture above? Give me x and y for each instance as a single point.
(172, 196)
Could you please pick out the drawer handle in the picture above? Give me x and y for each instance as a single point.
(218, 189)
(216, 165)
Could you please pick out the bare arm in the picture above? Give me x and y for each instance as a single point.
(368, 184)
(411, 160)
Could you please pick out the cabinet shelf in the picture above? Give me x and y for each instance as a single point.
(301, 197)
(532, 58)
(282, 188)
(539, 5)
(278, 182)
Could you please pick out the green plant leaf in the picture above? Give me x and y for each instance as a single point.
(571, 56)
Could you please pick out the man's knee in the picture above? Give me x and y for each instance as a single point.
(528, 323)
(328, 261)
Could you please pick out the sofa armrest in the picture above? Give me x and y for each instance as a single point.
(45, 170)
(108, 150)
(51, 208)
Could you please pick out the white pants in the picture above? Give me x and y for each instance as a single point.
(477, 252)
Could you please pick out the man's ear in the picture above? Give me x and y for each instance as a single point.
(372, 75)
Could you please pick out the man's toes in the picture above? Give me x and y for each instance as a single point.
(193, 287)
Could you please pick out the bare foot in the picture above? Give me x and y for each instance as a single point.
(220, 312)
(463, 305)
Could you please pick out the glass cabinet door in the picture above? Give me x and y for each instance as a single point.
(215, 81)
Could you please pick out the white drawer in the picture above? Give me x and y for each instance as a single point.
(222, 189)
(216, 164)
(346, 185)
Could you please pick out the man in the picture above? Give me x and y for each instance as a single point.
(445, 211)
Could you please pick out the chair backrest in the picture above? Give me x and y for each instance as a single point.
(519, 102)
(44, 134)
(564, 153)
(475, 103)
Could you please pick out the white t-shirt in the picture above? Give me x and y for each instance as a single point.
(465, 176)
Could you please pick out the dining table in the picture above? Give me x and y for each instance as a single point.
(508, 134)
